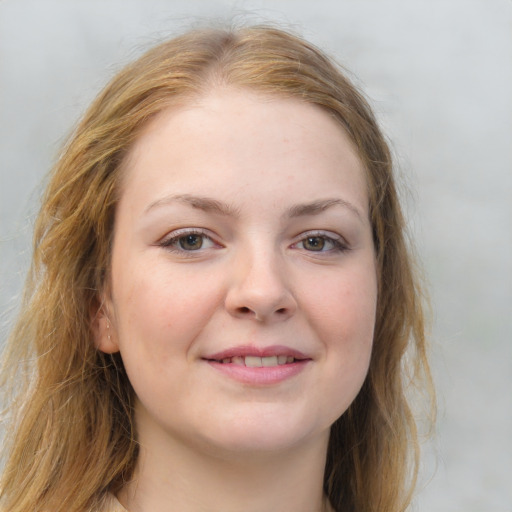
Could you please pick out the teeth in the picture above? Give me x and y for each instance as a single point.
(253, 361)
(269, 361)
(258, 362)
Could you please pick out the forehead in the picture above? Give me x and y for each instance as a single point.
(229, 135)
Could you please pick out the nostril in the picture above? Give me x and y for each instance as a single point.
(244, 309)
(281, 311)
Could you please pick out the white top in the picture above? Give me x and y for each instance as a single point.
(112, 505)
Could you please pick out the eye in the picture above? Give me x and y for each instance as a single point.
(185, 240)
(315, 243)
(191, 242)
(319, 242)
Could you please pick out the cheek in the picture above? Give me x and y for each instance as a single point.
(162, 310)
(341, 314)
(344, 305)
(343, 317)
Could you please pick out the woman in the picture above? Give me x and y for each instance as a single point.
(221, 297)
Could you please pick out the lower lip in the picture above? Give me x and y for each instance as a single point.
(260, 376)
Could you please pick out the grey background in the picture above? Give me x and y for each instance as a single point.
(439, 74)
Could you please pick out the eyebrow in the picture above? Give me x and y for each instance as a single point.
(316, 207)
(206, 204)
(210, 205)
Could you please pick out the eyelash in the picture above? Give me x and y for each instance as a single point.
(338, 243)
(171, 243)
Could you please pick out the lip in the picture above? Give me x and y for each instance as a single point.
(259, 376)
(250, 350)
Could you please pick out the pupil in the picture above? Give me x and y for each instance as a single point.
(315, 243)
(191, 242)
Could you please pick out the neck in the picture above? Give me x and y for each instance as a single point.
(173, 476)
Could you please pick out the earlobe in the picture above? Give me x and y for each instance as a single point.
(105, 338)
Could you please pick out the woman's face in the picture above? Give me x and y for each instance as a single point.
(243, 274)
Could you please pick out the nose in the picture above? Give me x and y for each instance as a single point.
(259, 289)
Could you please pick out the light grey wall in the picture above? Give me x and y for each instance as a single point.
(439, 73)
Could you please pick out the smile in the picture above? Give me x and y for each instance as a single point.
(259, 366)
(257, 362)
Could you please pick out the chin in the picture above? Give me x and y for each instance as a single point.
(263, 434)
(261, 443)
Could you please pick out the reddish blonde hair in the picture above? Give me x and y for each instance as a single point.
(72, 438)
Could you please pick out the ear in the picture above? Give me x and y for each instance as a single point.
(104, 332)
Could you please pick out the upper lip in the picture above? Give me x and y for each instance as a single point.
(247, 350)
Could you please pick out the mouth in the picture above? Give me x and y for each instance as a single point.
(259, 366)
(256, 361)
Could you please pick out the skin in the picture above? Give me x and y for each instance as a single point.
(286, 259)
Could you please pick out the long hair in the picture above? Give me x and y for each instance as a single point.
(71, 437)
